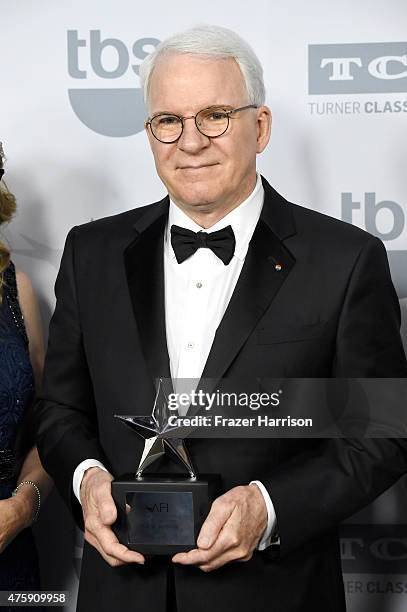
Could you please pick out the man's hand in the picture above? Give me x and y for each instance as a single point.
(99, 512)
(231, 530)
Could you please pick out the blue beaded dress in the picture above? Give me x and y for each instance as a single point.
(18, 562)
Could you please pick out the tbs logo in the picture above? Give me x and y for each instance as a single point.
(110, 111)
(385, 219)
(357, 68)
(372, 209)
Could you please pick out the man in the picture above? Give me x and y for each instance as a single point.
(290, 293)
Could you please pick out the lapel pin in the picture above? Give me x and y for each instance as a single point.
(277, 266)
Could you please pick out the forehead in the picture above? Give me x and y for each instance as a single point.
(186, 83)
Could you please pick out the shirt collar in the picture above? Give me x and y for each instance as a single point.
(243, 220)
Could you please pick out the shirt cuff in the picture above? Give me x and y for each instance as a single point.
(270, 532)
(79, 472)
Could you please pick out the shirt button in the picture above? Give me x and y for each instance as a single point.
(198, 285)
(190, 345)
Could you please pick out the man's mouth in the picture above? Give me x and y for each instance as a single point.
(197, 167)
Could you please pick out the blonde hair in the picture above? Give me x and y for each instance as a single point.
(7, 210)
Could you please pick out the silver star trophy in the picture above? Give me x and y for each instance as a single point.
(159, 437)
(157, 513)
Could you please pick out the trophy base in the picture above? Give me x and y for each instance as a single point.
(162, 514)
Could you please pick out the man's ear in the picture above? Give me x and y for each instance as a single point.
(148, 131)
(264, 120)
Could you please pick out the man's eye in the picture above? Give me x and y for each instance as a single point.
(168, 120)
(217, 116)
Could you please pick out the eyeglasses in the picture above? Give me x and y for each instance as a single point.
(211, 122)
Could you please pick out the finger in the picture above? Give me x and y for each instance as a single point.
(113, 547)
(230, 556)
(112, 560)
(229, 547)
(110, 545)
(192, 557)
(199, 556)
(217, 517)
(108, 558)
(228, 540)
(213, 558)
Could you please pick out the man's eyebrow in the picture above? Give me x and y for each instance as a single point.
(226, 106)
(167, 112)
(163, 112)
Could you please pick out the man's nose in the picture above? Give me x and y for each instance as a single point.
(191, 139)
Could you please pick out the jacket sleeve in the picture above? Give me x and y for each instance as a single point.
(64, 414)
(317, 489)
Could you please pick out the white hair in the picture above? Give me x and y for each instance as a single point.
(214, 42)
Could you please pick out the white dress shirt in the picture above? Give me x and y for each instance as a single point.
(197, 293)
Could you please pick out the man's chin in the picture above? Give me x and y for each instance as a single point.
(198, 198)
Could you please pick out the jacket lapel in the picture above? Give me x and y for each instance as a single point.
(267, 265)
(144, 264)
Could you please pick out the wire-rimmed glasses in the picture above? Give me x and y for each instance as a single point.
(211, 122)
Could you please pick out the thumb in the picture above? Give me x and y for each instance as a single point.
(107, 510)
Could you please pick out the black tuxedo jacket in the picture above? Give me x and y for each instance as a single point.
(331, 311)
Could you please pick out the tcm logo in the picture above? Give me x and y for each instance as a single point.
(161, 507)
(385, 219)
(372, 549)
(357, 68)
(110, 111)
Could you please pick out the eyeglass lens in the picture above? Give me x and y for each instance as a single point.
(210, 122)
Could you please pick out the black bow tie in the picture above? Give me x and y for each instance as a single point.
(185, 242)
